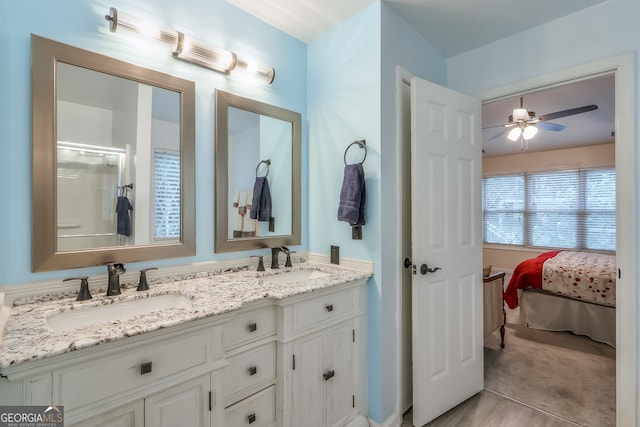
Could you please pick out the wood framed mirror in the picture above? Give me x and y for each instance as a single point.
(103, 131)
(253, 140)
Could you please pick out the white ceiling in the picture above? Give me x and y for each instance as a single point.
(452, 26)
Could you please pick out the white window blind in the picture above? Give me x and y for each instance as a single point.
(503, 198)
(566, 210)
(166, 167)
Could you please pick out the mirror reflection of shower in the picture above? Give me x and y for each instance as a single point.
(90, 179)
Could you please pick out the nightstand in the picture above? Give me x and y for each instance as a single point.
(495, 315)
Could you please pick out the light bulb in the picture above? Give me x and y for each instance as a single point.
(514, 133)
(529, 132)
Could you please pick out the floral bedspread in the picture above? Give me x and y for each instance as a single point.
(582, 275)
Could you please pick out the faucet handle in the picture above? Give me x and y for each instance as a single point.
(287, 263)
(260, 262)
(142, 284)
(84, 293)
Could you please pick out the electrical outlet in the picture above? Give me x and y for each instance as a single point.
(335, 254)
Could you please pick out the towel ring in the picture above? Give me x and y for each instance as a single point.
(266, 162)
(362, 144)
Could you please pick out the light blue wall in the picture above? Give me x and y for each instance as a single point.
(401, 46)
(81, 23)
(344, 106)
(352, 95)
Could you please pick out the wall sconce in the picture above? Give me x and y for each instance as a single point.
(191, 50)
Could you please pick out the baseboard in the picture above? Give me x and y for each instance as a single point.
(393, 421)
(358, 421)
(355, 264)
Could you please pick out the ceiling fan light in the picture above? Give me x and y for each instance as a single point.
(520, 115)
(529, 132)
(514, 134)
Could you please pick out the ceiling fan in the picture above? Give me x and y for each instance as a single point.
(524, 125)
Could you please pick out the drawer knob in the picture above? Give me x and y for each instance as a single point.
(253, 370)
(145, 368)
(329, 307)
(252, 327)
(329, 374)
(251, 418)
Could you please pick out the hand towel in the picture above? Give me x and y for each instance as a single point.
(353, 195)
(123, 206)
(261, 205)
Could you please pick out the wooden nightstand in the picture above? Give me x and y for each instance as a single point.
(495, 315)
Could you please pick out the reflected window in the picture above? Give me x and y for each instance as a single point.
(166, 202)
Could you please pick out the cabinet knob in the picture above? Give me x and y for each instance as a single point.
(253, 370)
(329, 307)
(251, 418)
(252, 327)
(329, 374)
(145, 368)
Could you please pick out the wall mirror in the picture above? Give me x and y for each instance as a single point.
(112, 160)
(256, 142)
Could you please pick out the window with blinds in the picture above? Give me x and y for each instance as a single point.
(166, 201)
(566, 210)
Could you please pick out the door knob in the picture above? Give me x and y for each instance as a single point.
(424, 269)
(407, 263)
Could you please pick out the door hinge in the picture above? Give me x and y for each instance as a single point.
(619, 274)
(354, 335)
(353, 400)
(210, 402)
(293, 356)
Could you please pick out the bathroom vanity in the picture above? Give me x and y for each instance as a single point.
(280, 348)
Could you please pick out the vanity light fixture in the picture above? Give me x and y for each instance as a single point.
(191, 50)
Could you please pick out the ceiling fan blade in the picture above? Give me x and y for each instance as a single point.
(550, 126)
(565, 113)
(492, 127)
(499, 134)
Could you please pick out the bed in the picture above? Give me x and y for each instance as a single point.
(567, 291)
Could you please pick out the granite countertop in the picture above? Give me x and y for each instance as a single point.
(27, 336)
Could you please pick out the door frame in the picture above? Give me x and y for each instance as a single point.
(626, 158)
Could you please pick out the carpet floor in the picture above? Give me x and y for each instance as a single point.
(569, 376)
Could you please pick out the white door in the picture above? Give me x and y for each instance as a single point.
(446, 236)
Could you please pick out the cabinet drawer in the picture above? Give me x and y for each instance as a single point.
(248, 369)
(249, 326)
(258, 410)
(323, 308)
(110, 375)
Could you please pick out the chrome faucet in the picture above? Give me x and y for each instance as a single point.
(114, 270)
(274, 255)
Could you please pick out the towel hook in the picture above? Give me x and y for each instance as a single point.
(362, 144)
(266, 162)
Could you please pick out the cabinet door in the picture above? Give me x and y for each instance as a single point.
(186, 404)
(308, 388)
(338, 373)
(131, 415)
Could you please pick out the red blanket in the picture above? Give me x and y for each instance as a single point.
(527, 273)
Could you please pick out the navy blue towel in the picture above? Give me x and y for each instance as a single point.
(123, 206)
(352, 196)
(261, 204)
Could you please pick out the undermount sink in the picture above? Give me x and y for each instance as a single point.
(294, 276)
(94, 315)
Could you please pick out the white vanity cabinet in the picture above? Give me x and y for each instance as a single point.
(250, 376)
(322, 343)
(171, 377)
(290, 362)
